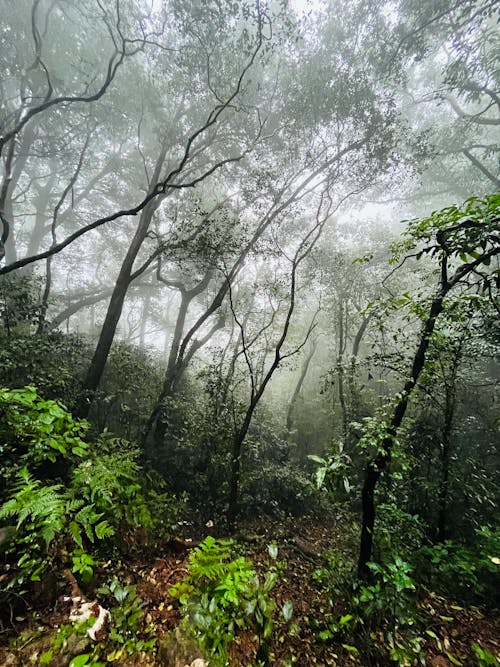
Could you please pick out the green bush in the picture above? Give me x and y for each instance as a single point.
(274, 489)
(111, 483)
(380, 619)
(63, 507)
(44, 515)
(127, 613)
(37, 434)
(221, 596)
(32, 353)
(464, 571)
(389, 600)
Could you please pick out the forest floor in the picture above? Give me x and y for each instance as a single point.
(447, 630)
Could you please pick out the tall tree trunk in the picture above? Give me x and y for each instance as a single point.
(157, 422)
(13, 168)
(298, 387)
(375, 467)
(117, 300)
(445, 470)
(234, 480)
(41, 228)
(176, 364)
(449, 414)
(354, 394)
(340, 369)
(146, 303)
(258, 391)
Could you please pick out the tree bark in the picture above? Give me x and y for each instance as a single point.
(117, 300)
(340, 370)
(445, 471)
(375, 467)
(175, 364)
(449, 414)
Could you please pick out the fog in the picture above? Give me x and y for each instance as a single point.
(205, 238)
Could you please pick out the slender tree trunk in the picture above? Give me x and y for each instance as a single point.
(157, 421)
(379, 463)
(344, 410)
(176, 364)
(352, 376)
(445, 471)
(186, 299)
(450, 388)
(298, 387)
(41, 228)
(113, 314)
(375, 467)
(234, 483)
(258, 392)
(8, 248)
(144, 319)
(13, 168)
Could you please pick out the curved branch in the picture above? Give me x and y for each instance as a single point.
(481, 167)
(474, 118)
(167, 183)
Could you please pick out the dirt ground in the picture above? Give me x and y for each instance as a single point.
(448, 631)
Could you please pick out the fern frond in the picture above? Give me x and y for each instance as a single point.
(45, 506)
(76, 533)
(103, 529)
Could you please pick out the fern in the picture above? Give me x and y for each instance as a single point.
(88, 519)
(112, 483)
(76, 533)
(208, 561)
(105, 492)
(45, 506)
(221, 596)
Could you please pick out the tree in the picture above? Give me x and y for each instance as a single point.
(464, 241)
(260, 380)
(35, 88)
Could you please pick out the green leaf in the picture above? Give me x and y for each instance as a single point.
(350, 649)
(103, 529)
(345, 619)
(317, 459)
(273, 551)
(287, 610)
(80, 660)
(76, 534)
(319, 477)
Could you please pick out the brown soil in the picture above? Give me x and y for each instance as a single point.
(449, 630)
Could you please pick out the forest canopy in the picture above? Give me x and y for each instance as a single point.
(249, 342)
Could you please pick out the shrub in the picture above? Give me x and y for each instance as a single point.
(221, 596)
(45, 514)
(31, 353)
(466, 571)
(63, 506)
(37, 434)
